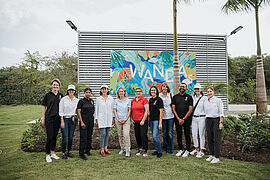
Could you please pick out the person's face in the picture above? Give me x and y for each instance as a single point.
(138, 92)
(87, 94)
(210, 93)
(71, 92)
(104, 91)
(121, 93)
(55, 86)
(197, 91)
(153, 92)
(164, 89)
(182, 88)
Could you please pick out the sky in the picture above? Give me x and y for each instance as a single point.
(40, 25)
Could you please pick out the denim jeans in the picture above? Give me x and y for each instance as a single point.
(67, 134)
(104, 137)
(167, 130)
(155, 133)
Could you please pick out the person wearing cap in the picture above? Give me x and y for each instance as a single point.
(139, 113)
(51, 119)
(85, 110)
(104, 118)
(198, 121)
(122, 110)
(214, 123)
(69, 121)
(182, 106)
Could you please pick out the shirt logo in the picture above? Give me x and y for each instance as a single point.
(186, 98)
(155, 102)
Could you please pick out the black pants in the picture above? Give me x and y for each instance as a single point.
(179, 129)
(86, 136)
(52, 125)
(213, 136)
(141, 134)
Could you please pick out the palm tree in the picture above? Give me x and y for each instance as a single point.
(248, 5)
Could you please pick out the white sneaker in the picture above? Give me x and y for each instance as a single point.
(127, 154)
(185, 154)
(194, 151)
(179, 153)
(215, 160)
(48, 159)
(54, 156)
(199, 155)
(210, 158)
(121, 152)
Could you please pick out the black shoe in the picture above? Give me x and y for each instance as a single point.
(69, 155)
(159, 155)
(83, 157)
(155, 153)
(64, 156)
(88, 153)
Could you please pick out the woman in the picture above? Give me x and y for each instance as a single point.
(214, 123)
(155, 116)
(198, 121)
(122, 110)
(67, 112)
(85, 110)
(139, 110)
(104, 118)
(51, 118)
(168, 118)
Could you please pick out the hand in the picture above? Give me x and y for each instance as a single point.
(132, 122)
(83, 125)
(142, 123)
(113, 122)
(62, 125)
(220, 126)
(160, 126)
(96, 123)
(181, 121)
(43, 123)
(73, 119)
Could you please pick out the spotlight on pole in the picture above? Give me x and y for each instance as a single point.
(234, 31)
(70, 23)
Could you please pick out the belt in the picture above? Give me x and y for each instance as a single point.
(198, 115)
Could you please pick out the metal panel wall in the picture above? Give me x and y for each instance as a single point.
(94, 54)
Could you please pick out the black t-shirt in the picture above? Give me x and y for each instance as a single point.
(51, 101)
(154, 105)
(182, 104)
(87, 108)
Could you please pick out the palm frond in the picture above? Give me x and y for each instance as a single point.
(238, 5)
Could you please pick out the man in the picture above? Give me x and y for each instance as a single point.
(182, 106)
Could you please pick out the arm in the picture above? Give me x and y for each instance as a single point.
(146, 107)
(80, 117)
(221, 114)
(115, 114)
(190, 109)
(43, 116)
(160, 118)
(175, 113)
(61, 113)
(129, 113)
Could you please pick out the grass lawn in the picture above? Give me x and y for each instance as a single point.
(16, 164)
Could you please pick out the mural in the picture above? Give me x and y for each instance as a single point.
(131, 69)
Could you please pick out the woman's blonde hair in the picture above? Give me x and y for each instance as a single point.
(117, 92)
(210, 87)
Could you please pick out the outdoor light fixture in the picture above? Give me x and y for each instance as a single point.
(234, 31)
(70, 23)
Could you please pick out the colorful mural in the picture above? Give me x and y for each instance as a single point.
(131, 69)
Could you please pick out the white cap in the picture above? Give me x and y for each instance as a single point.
(104, 86)
(71, 86)
(197, 86)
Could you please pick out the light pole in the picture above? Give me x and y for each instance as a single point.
(233, 32)
(70, 23)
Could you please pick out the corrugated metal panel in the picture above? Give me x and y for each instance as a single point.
(94, 54)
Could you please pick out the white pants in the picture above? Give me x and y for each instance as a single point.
(198, 124)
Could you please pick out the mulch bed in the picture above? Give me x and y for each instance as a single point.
(229, 147)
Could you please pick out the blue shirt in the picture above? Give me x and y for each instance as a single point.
(122, 108)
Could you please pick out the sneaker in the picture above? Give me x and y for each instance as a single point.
(194, 152)
(179, 153)
(159, 155)
(48, 159)
(69, 154)
(186, 154)
(64, 156)
(200, 154)
(155, 153)
(215, 160)
(54, 156)
(88, 153)
(121, 152)
(210, 158)
(139, 153)
(83, 157)
(145, 154)
(127, 154)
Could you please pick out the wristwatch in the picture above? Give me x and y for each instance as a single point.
(184, 119)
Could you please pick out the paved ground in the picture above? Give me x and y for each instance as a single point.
(235, 109)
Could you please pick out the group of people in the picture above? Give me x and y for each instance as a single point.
(162, 111)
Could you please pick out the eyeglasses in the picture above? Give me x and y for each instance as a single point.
(138, 91)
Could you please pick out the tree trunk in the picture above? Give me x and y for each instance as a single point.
(261, 98)
(176, 73)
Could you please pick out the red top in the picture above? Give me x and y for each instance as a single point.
(137, 108)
